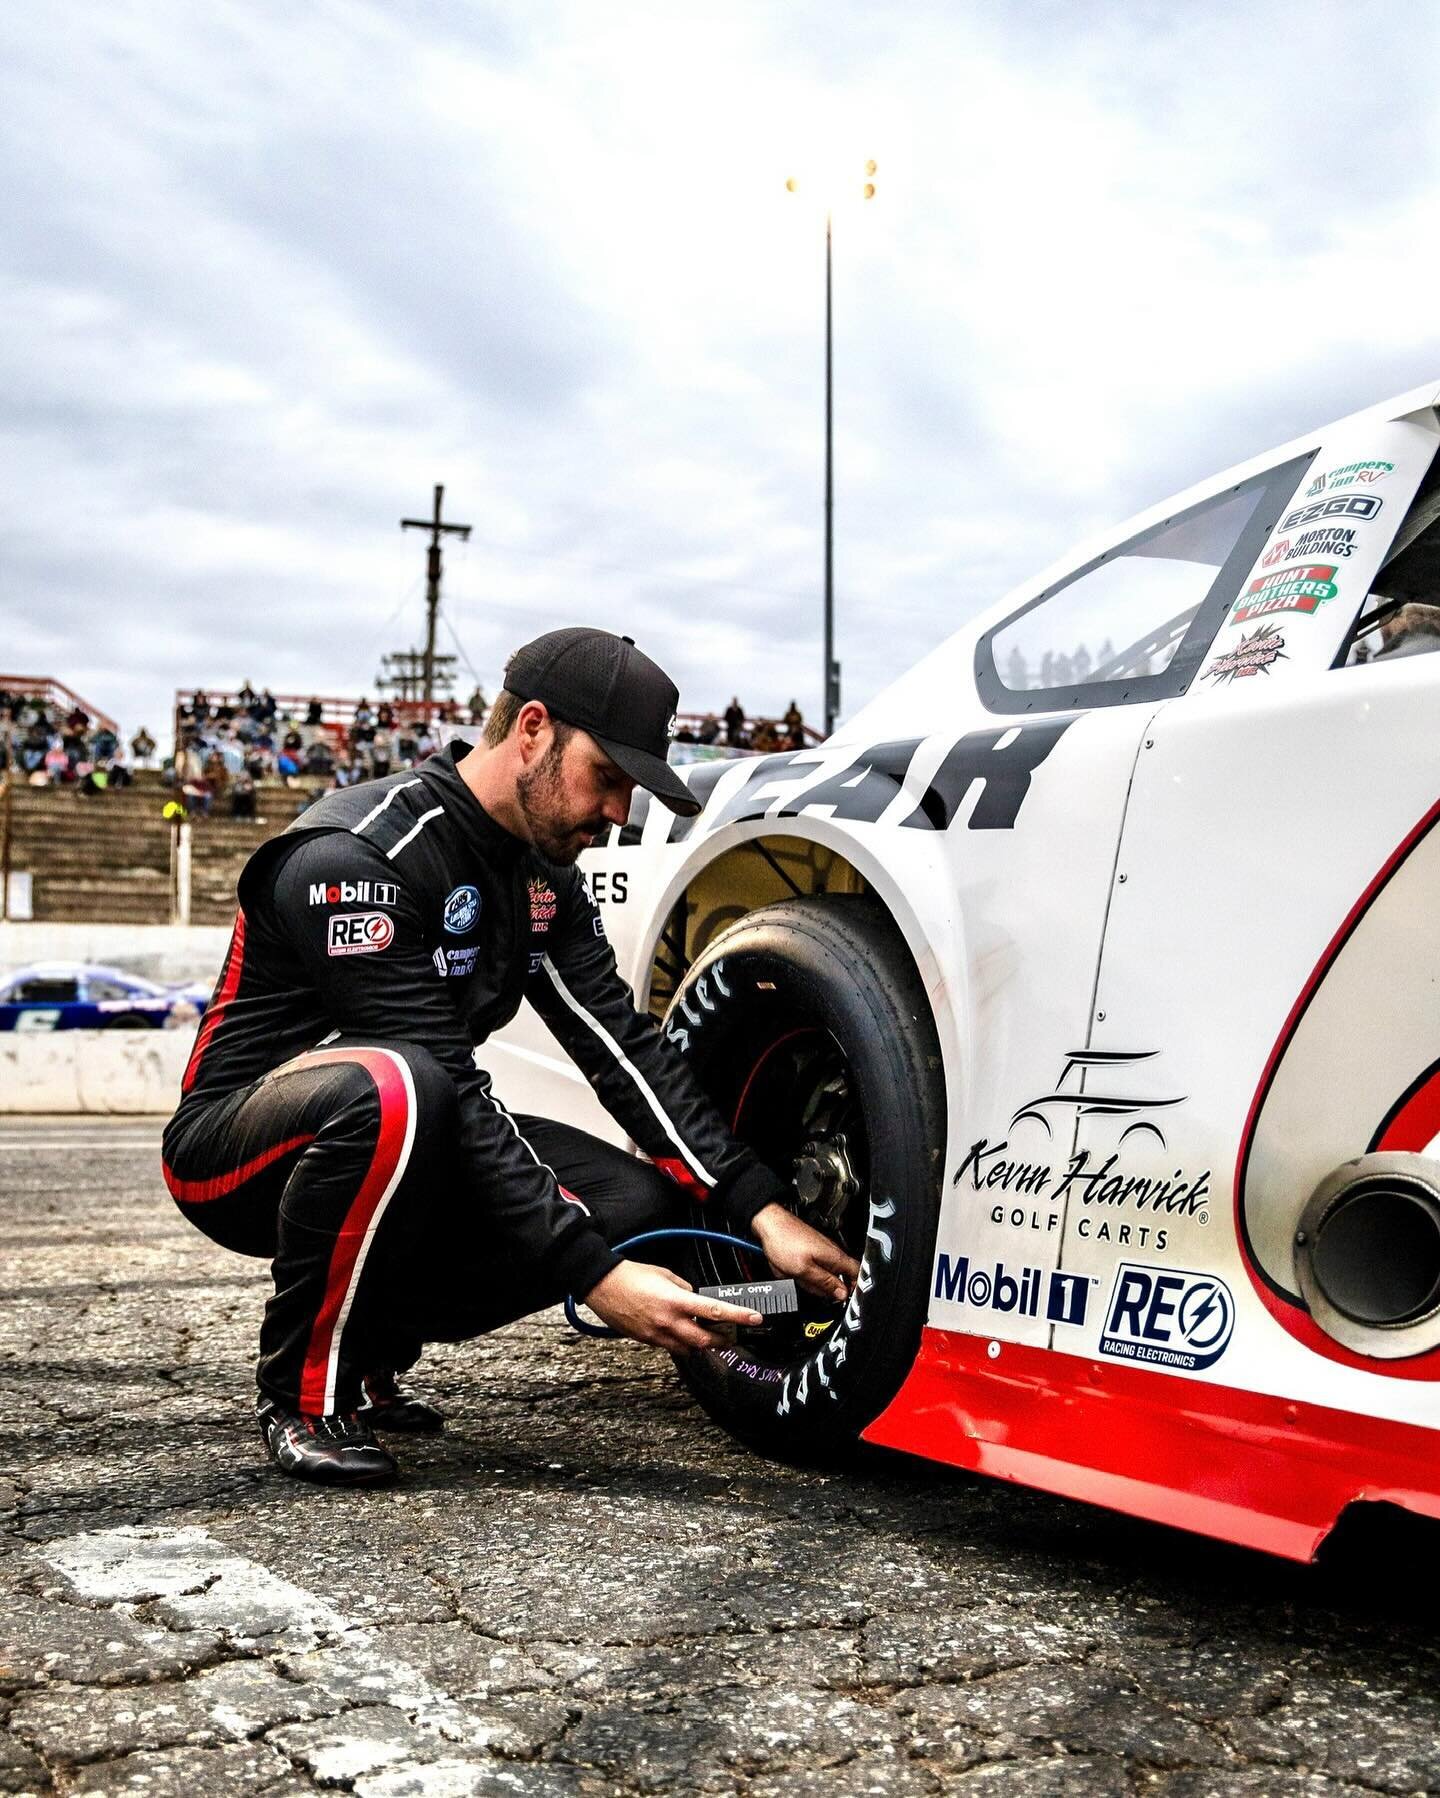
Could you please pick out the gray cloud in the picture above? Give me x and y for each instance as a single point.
(271, 274)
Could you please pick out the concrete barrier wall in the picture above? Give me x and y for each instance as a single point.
(124, 1072)
(167, 952)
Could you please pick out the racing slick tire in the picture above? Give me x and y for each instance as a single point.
(807, 1025)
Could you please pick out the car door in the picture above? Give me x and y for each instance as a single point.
(1268, 999)
(1109, 646)
(39, 1002)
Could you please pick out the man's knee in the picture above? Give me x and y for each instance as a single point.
(413, 1091)
(430, 1085)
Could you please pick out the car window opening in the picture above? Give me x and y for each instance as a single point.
(1401, 613)
(1143, 598)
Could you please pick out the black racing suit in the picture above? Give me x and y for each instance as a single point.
(333, 1118)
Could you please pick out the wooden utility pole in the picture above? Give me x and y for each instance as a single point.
(432, 585)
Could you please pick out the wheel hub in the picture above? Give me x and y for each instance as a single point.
(825, 1182)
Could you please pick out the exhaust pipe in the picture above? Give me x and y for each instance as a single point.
(1367, 1255)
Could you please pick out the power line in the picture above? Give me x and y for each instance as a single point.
(379, 635)
(464, 657)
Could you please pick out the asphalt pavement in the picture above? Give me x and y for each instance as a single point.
(585, 1588)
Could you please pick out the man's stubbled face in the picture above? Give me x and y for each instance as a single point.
(561, 804)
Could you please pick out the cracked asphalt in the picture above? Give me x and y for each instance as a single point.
(585, 1588)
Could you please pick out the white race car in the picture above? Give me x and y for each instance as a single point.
(1089, 982)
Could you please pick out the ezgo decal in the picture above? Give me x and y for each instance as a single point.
(1287, 590)
(462, 908)
(1168, 1318)
(1349, 505)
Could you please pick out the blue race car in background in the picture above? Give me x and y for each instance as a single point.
(74, 995)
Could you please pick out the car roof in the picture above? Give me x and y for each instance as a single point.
(76, 970)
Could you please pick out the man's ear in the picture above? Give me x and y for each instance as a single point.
(532, 731)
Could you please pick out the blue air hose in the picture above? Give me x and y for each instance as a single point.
(572, 1311)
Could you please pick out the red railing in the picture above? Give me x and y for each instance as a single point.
(692, 722)
(337, 715)
(55, 694)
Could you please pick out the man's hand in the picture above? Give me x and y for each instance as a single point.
(792, 1247)
(653, 1305)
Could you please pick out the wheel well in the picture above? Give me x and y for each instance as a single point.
(757, 872)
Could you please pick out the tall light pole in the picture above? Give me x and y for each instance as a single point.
(830, 680)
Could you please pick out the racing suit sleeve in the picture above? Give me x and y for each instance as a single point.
(639, 1077)
(396, 993)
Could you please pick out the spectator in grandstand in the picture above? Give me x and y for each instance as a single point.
(74, 742)
(217, 776)
(59, 770)
(246, 696)
(364, 722)
(319, 762)
(32, 749)
(735, 723)
(764, 736)
(314, 712)
(794, 721)
(265, 707)
(425, 743)
(385, 715)
(405, 745)
(479, 705)
(382, 750)
(142, 747)
(242, 795)
(709, 729)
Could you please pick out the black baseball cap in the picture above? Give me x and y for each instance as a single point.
(604, 685)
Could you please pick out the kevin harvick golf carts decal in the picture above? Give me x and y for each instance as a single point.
(1083, 1172)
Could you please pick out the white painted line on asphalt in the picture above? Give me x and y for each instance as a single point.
(201, 1584)
(51, 1143)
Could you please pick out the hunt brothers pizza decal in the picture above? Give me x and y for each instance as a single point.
(1287, 590)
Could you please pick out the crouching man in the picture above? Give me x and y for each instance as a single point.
(333, 1120)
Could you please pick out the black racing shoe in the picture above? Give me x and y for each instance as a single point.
(335, 1450)
(386, 1405)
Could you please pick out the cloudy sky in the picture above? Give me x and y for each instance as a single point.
(270, 272)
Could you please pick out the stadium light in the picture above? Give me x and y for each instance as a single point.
(848, 186)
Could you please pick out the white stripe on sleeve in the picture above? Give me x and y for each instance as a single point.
(413, 832)
(376, 810)
(594, 1025)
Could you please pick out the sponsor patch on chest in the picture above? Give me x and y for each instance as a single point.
(462, 908)
(542, 904)
(358, 933)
